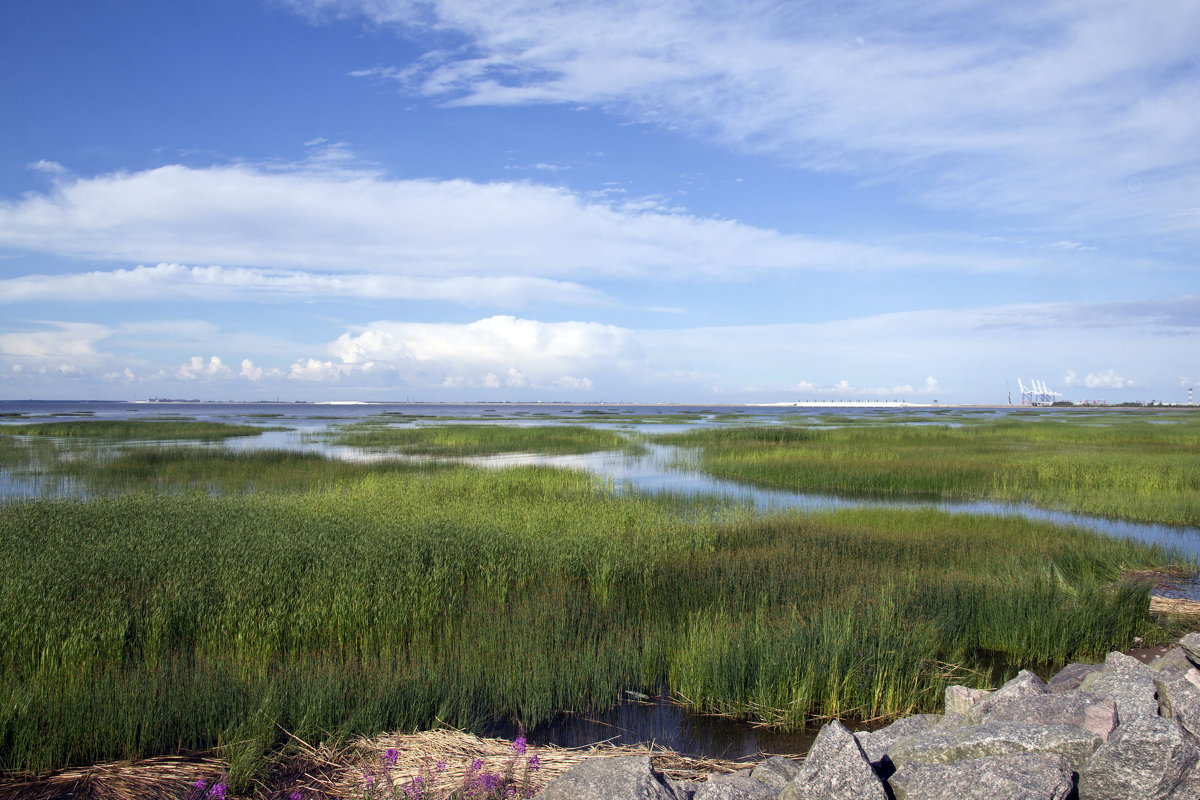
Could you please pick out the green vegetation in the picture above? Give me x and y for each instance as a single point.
(201, 597)
(448, 441)
(351, 598)
(190, 469)
(135, 429)
(1127, 465)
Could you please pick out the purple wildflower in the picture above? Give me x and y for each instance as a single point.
(492, 782)
(534, 762)
(441, 766)
(391, 755)
(296, 795)
(217, 792)
(476, 765)
(519, 745)
(368, 779)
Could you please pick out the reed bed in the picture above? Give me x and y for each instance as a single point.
(448, 441)
(1137, 465)
(333, 602)
(136, 429)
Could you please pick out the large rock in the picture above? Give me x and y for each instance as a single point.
(1030, 776)
(776, 772)
(960, 699)
(1191, 647)
(1119, 662)
(1092, 712)
(1179, 698)
(737, 786)
(997, 738)
(1175, 657)
(1189, 787)
(1069, 677)
(620, 778)
(1026, 684)
(876, 743)
(1131, 688)
(836, 769)
(1147, 758)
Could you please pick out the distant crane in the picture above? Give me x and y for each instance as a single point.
(1037, 393)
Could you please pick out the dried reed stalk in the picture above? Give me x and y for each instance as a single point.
(162, 777)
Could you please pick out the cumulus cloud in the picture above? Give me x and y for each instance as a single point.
(1109, 379)
(197, 368)
(312, 370)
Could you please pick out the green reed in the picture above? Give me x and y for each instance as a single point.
(352, 599)
(136, 429)
(475, 439)
(1141, 466)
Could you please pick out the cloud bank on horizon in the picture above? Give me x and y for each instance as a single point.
(628, 201)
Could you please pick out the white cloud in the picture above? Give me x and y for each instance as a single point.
(221, 283)
(931, 385)
(197, 368)
(401, 238)
(312, 370)
(572, 383)
(62, 349)
(1028, 106)
(1108, 379)
(124, 375)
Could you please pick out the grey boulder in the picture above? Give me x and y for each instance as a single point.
(1093, 713)
(875, 744)
(836, 769)
(1175, 657)
(776, 772)
(1029, 776)
(1179, 698)
(736, 786)
(1069, 677)
(1147, 758)
(1191, 647)
(995, 738)
(1131, 687)
(620, 778)
(1026, 684)
(960, 699)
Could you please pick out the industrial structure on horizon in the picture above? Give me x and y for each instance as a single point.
(1037, 393)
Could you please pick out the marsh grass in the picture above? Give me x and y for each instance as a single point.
(1127, 466)
(448, 441)
(136, 429)
(372, 598)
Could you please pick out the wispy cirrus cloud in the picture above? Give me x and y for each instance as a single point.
(234, 283)
(303, 218)
(1087, 111)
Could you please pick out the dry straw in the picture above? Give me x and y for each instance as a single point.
(323, 772)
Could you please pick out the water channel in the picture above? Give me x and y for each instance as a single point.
(657, 469)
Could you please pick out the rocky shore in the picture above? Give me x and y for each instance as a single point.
(1121, 730)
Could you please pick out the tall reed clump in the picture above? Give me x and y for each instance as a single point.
(388, 599)
(1133, 466)
(133, 429)
(470, 440)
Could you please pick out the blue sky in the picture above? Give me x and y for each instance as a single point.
(622, 201)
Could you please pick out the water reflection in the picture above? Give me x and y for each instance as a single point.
(667, 725)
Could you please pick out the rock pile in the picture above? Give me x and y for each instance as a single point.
(1120, 730)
